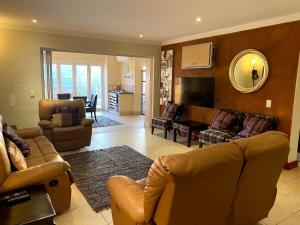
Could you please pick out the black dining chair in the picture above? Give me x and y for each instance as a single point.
(92, 107)
(84, 98)
(64, 96)
(88, 101)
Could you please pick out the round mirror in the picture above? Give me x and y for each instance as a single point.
(248, 71)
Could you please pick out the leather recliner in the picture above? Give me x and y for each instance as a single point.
(65, 138)
(224, 184)
(44, 166)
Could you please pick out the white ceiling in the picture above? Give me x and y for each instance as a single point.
(157, 20)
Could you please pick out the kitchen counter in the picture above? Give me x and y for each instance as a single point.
(120, 102)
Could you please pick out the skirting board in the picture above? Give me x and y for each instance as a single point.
(291, 165)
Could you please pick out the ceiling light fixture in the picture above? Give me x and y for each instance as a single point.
(34, 20)
(141, 36)
(198, 19)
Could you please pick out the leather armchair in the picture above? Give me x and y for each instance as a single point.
(65, 138)
(221, 184)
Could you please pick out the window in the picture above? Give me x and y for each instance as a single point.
(96, 82)
(81, 80)
(78, 79)
(54, 80)
(66, 79)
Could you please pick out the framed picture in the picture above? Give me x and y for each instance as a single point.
(166, 76)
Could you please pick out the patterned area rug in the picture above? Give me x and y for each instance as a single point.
(103, 121)
(92, 169)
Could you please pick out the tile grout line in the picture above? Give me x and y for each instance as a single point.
(289, 181)
(288, 217)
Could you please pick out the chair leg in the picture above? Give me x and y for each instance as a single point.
(165, 133)
(95, 116)
(91, 115)
(152, 129)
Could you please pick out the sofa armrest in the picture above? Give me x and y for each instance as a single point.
(128, 195)
(34, 175)
(46, 124)
(29, 132)
(86, 122)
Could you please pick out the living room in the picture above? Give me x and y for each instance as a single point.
(73, 165)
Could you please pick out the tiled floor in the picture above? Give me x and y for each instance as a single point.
(286, 210)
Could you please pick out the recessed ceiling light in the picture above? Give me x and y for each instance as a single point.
(141, 36)
(34, 20)
(198, 19)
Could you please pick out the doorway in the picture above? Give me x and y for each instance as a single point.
(107, 76)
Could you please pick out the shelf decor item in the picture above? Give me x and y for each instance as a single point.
(166, 76)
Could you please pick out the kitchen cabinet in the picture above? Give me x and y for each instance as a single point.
(120, 103)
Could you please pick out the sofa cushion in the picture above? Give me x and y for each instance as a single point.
(42, 150)
(254, 125)
(68, 133)
(162, 122)
(10, 134)
(211, 136)
(5, 168)
(40, 146)
(223, 120)
(16, 157)
(35, 161)
(52, 158)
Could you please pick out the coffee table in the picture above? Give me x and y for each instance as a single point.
(190, 127)
(36, 211)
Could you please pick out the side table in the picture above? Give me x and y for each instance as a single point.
(36, 211)
(188, 126)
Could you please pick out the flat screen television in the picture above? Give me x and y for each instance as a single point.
(196, 91)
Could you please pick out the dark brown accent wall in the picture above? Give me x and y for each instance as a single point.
(279, 43)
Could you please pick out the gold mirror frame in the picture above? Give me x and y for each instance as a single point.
(232, 67)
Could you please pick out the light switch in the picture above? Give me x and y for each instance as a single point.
(268, 103)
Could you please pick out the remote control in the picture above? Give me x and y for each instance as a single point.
(4, 199)
(18, 199)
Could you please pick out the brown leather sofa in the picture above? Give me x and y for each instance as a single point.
(223, 184)
(65, 138)
(45, 166)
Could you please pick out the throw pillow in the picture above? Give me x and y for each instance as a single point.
(16, 156)
(73, 111)
(76, 119)
(62, 120)
(254, 125)
(170, 111)
(223, 120)
(10, 134)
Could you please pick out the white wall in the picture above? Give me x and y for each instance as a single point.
(113, 70)
(128, 74)
(295, 120)
(78, 57)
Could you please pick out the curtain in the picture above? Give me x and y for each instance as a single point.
(46, 58)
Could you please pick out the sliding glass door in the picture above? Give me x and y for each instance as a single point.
(78, 79)
(81, 86)
(97, 83)
(66, 79)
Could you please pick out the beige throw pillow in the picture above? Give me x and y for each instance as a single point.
(62, 120)
(16, 156)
